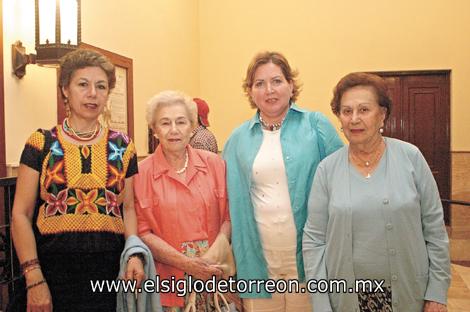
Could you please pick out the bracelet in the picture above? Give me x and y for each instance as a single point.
(31, 268)
(28, 263)
(35, 284)
(137, 255)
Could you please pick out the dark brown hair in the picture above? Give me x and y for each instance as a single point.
(352, 80)
(82, 58)
(277, 59)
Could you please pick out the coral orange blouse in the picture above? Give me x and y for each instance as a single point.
(177, 211)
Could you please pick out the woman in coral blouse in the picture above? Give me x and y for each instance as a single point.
(181, 200)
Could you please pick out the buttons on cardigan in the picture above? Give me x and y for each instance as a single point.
(392, 251)
(395, 303)
(287, 157)
(394, 277)
(389, 226)
(385, 201)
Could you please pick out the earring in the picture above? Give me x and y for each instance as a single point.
(341, 129)
(67, 110)
(66, 100)
(381, 130)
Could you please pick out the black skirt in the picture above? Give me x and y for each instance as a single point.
(69, 277)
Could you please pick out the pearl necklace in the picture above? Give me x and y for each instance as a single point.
(271, 127)
(185, 165)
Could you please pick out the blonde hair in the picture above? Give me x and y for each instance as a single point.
(278, 59)
(169, 98)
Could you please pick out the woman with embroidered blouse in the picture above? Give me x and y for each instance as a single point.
(180, 200)
(271, 160)
(374, 214)
(73, 230)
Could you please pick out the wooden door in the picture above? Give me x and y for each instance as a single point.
(421, 115)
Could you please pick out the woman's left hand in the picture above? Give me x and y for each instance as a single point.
(135, 270)
(432, 306)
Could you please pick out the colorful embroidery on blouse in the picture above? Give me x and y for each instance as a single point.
(80, 185)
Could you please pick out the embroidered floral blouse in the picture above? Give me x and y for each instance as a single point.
(80, 204)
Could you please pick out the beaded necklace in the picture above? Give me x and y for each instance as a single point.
(82, 136)
(271, 127)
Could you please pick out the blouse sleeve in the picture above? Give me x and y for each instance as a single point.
(143, 200)
(314, 238)
(224, 197)
(33, 151)
(329, 141)
(434, 232)
(131, 157)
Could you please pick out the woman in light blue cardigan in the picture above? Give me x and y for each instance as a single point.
(374, 213)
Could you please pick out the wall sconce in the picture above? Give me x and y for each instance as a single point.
(58, 31)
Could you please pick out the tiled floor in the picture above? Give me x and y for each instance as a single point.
(459, 292)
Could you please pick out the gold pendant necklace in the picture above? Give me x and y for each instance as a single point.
(367, 163)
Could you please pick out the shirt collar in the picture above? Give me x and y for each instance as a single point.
(161, 165)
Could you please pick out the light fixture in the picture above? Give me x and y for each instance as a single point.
(58, 31)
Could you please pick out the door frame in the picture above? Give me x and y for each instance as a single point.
(447, 73)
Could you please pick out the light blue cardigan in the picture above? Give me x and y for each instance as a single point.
(146, 301)
(306, 138)
(418, 264)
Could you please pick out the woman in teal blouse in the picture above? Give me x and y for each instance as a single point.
(374, 214)
(271, 160)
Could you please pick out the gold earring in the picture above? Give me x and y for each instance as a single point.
(67, 110)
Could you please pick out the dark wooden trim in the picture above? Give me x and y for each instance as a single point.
(117, 60)
(412, 72)
(3, 167)
(460, 152)
(461, 262)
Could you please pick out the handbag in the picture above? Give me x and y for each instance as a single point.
(220, 252)
(222, 306)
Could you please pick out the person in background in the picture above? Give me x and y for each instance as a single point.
(201, 137)
(180, 199)
(74, 201)
(271, 160)
(374, 213)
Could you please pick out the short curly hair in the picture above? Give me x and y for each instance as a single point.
(82, 58)
(352, 80)
(270, 57)
(168, 98)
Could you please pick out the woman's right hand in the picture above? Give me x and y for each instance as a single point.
(39, 297)
(202, 269)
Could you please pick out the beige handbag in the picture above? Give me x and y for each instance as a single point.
(220, 252)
